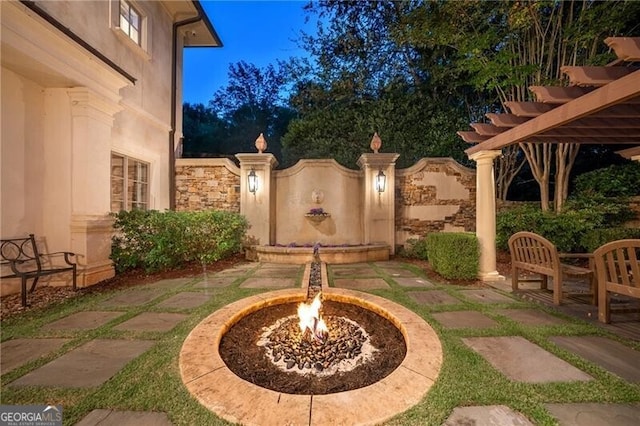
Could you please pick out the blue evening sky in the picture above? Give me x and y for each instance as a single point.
(257, 32)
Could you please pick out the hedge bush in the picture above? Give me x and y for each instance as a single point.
(454, 255)
(597, 237)
(613, 181)
(158, 241)
(566, 230)
(415, 248)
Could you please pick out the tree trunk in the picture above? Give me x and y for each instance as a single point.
(507, 167)
(539, 158)
(565, 158)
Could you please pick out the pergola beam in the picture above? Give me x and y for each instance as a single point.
(626, 48)
(605, 97)
(558, 95)
(595, 76)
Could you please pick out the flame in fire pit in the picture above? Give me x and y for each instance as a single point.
(310, 319)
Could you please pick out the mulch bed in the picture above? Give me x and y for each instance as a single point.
(43, 296)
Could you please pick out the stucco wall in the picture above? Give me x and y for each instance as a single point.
(207, 184)
(435, 194)
(340, 191)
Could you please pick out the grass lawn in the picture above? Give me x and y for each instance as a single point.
(152, 381)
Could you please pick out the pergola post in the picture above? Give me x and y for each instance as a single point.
(486, 214)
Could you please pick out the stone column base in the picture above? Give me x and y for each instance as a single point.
(491, 276)
(91, 241)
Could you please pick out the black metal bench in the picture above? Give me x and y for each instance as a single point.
(21, 259)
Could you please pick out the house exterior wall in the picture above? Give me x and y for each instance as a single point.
(64, 111)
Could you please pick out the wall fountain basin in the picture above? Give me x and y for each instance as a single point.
(330, 254)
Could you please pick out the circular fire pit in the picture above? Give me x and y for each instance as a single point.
(208, 378)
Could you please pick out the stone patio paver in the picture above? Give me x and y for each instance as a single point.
(413, 282)
(17, 352)
(124, 418)
(151, 321)
(613, 356)
(594, 414)
(279, 266)
(495, 415)
(133, 298)
(360, 284)
(89, 365)
(362, 272)
(530, 317)
(83, 320)
(399, 272)
(464, 319)
(171, 283)
(213, 282)
(268, 283)
(185, 300)
(486, 296)
(435, 297)
(276, 273)
(523, 361)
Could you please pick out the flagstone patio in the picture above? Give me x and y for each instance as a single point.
(93, 362)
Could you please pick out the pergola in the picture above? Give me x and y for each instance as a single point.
(601, 105)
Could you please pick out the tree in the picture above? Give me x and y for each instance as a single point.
(204, 132)
(253, 103)
(508, 46)
(364, 78)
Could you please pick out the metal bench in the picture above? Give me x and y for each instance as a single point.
(618, 271)
(534, 253)
(21, 259)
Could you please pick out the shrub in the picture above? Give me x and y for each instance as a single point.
(159, 241)
(567, 229)
(597, 237)
(415, 248)
(454, 255)
(613, 181)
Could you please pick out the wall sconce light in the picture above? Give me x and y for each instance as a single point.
(381, 181)
(252, 181)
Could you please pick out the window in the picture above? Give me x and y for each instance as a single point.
(129, 183)
(130, 21)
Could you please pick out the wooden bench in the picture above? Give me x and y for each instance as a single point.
(21, 259)
(618, 271)
(534, 253)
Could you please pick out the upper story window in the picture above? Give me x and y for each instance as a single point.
(130, 21)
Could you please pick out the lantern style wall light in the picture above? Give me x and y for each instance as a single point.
(252, 182)
(381, 182)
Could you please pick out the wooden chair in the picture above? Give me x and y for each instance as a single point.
(618, 271)
(534, 253)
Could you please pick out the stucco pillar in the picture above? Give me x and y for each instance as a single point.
(92, 117)
(259, 207)
(486, 214)
(379, 207)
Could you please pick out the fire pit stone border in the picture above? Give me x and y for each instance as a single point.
(207, 378)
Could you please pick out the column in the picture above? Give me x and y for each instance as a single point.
(486, 214)
(379, 206)
(259, 206)
(92, 117)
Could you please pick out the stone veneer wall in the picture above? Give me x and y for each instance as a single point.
(207, 184)
(436, 194)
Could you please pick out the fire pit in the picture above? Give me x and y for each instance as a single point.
(319, 369)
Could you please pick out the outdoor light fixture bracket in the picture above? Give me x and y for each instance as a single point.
(381, 181)
(252, 181)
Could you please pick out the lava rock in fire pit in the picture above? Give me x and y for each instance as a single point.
(346, 347)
